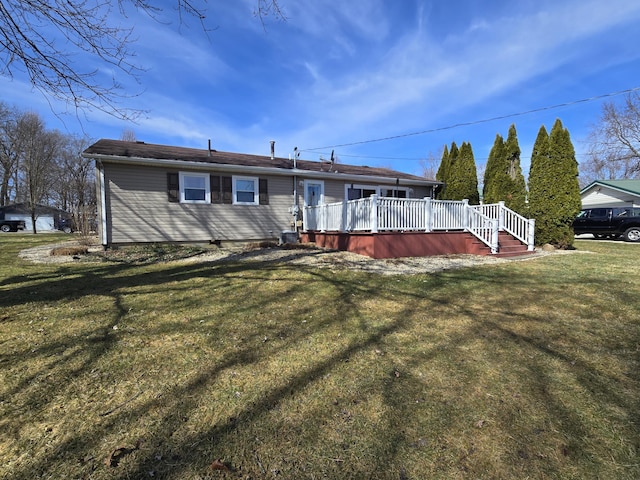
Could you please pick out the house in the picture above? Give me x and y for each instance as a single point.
(611, 193)
(47, 218)
(160, 193)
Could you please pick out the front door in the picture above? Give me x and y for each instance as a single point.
(313, 193)
(313, 196)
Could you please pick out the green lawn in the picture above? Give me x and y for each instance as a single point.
(126, 370)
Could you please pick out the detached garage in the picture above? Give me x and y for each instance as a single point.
(611, 193)
(47, 218)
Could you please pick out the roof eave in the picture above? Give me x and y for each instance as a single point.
(154, 162)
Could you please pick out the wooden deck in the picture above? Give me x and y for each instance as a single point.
(394, 227)
(413, 244)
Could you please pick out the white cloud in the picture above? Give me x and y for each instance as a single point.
(492, 55)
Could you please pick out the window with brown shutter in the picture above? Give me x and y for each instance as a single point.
(264, 192)
(227, 189)
(216, 189)
(173, 187)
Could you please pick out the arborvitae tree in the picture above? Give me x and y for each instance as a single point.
(515, 190)
(451, 165)
(541, 188)
(489, 189)
(441, 175)
(569, 202)
(463, 179)
(554, 194)
(503, 180)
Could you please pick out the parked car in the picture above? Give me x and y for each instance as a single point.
(12, 225)
(67, 225)
(609, 223)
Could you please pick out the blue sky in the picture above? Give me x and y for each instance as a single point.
(338, 73)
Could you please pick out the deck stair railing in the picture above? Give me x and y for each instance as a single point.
(379, 214)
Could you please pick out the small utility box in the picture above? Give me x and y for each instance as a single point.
(288, 236)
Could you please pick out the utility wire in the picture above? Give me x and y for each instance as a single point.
(476, 122)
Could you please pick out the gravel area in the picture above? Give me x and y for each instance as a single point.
(310, 257)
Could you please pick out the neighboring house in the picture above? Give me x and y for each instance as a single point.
(611, 193)
(159, 193)
(47, 218)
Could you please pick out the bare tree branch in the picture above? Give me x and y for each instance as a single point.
(614, 150)
(43, 38)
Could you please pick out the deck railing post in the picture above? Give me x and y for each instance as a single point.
(465, 214)
(305, 221)
(428, 214)
(343, 222)
(373, 219)
(531, 234)
(501, 212)
(494, 236)
(323, 217)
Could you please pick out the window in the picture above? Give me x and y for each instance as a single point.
(400, 192)
(354, 192)
(599, 213)
(245, 190)
(194, 188)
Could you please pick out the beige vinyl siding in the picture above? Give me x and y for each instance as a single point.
(139, 210)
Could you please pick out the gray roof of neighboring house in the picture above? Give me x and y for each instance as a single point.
(138, 152)
(629, 186)
(23, 208)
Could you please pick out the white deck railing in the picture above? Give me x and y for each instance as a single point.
(377, 214)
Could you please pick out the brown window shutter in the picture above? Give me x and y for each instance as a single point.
(173, 187)
(264, 192)
(227, 190)
(216, 191)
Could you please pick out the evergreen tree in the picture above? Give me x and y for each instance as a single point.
(441, 175)
(489, 189)
(463, 179)
(503, 180)
(541, 188)
(514, 191)
(554, 194)
(451, 164)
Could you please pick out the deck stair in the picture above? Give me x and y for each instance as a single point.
(508, 246)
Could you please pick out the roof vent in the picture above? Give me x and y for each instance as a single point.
(273, 149)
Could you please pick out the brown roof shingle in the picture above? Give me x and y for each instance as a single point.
(123, 149)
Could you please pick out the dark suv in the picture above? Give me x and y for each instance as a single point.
(609, 223)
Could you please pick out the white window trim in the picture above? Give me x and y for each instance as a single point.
(207, 187)
(256, 190)
(314, 182)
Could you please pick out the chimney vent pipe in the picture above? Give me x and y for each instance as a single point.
(273, 149)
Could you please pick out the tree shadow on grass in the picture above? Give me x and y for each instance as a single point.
(170, 451)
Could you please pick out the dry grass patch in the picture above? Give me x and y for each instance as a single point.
(70, 251)
(158, 369)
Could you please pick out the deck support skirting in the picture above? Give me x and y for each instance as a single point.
(398, 244)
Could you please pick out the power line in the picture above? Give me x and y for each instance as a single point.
(476, 122)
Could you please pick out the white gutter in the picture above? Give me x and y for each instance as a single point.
(153, 162)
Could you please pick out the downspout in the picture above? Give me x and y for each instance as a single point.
(103, 205)
(296, 204)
